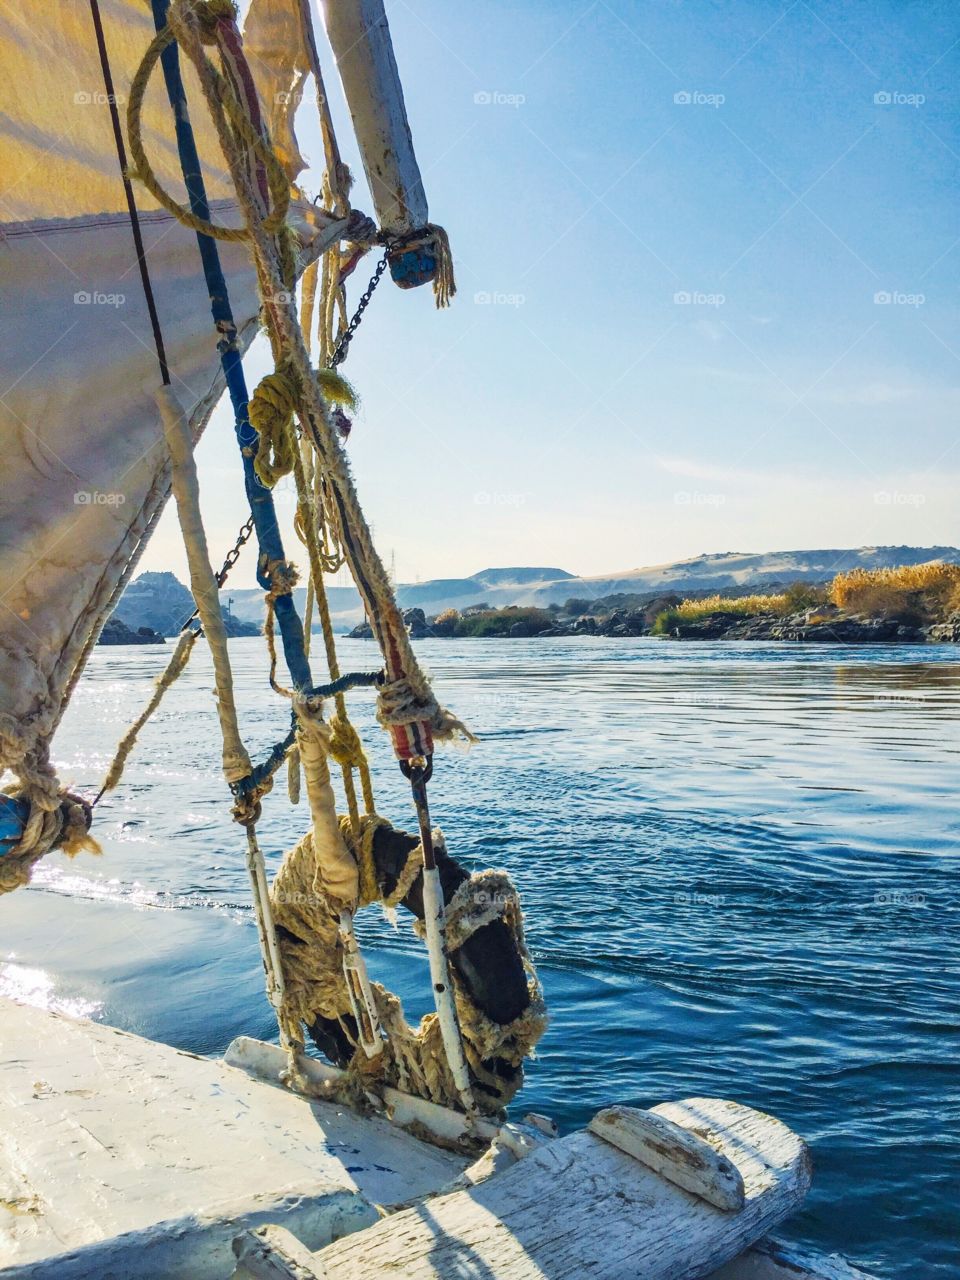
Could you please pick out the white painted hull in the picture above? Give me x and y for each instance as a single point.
(122, 1158)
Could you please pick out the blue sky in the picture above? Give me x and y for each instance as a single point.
(572, 408)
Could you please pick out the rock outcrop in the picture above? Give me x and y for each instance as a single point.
(799, 628)
(160, 602)
(117, 632)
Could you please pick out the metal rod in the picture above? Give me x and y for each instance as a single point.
(433, 918)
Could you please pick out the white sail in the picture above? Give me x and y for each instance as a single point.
(84, 469)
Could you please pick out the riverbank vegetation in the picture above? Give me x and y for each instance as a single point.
(928, 592)
(798, 596)
(917, 595)
(906, 605)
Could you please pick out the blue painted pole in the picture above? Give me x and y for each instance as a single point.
(259, 497)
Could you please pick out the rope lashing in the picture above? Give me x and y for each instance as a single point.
(402, 706)
(287, 341)
(283, 577)
(338, 872)
(66, 827)
(173, 670)
(271, 411)
(416, 257)
(244, 135)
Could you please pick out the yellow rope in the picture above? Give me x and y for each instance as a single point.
(283, 577)
(244, 135)
(62, 827)
(203, 582)
(351, 753)
(271, 411)
(174, 668)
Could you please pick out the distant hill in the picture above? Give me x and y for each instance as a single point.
(738, 569)
(148, 601)
(161, 602)
(490, 586)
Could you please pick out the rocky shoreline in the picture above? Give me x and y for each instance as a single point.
(115, 631)
(823, 625)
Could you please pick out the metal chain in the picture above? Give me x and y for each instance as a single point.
(343, 342)
(232, 556)
(338, 357)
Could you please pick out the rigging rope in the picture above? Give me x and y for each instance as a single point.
(413, 715)
(128, 192)
(331, 524)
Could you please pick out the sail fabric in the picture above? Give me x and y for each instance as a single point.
(84, 468)
(57, 148)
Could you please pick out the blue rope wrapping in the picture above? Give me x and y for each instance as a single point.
(13, 819)
(266, 768)
(260, 498)
(269, 766)
(352, 680)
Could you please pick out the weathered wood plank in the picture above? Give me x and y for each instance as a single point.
(675, 1153)
(272, 1253)
(177, 1154)
(580, 1207)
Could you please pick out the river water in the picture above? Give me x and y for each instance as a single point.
(736, 863)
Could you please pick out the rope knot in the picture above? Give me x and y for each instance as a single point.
(208, 14)
(271, 411)
(399, 703)
(66, 827)
(345, 745)
(283, 576)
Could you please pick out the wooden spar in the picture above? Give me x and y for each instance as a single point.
(677, 1154)
(579, 1206)
(444, 1125)
(360, 38)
